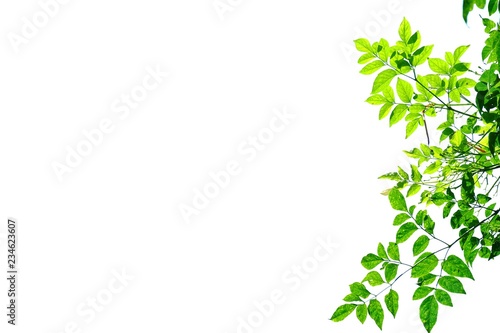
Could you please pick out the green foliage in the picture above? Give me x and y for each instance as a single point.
(458, 176)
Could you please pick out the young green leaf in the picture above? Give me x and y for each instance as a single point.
(372, 67)
(404, 90)
(400, 218)
(414, 189)
(398, 114)
(381, 251)
(405, 31)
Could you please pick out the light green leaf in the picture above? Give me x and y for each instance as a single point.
(359, 289)
(457, 138)
(372, 67)
(383, 80)
(363, 45)
(398, 113)
(411, 127)
(433, 167)
(439, 66)
(414, 189)
(381, 251)
(405, 31)
(404, 90)
(421, 55)
(400, 219)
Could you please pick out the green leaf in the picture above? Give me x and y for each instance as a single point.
(393, 251)
(459, 52)
(374, 279)
(390, 272)
(384, 110)
(421, 55)
(411, 127)
(376, 99)
(404, 90)
(429, 312)
(443, 297)
(433, 167)
(422, 292)
(398, 114)
(363, 45)
(397, 200)
(468, 6)
(361, 313)
(391, 176)
(405, 232)
(359, 289)
(415, 174)
(383, 80)
(381, 251)
(392, 302)
(447, 209)
(492, 7)
(376, 312)
(414, 189)
(400, 219)
(405, 31)
(457, 138)
(451, 284)
(424, 265)
(420, 245)
(455, 266)
(371, 261)
(372, 67)
(439, 66)
(342, 312)
(352, 298)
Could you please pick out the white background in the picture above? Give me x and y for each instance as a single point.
(120, 207)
